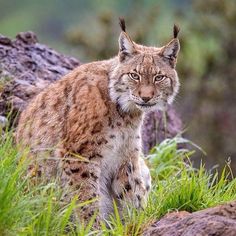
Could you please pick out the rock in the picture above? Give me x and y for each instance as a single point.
(27, 67)
(3, 122)
(217, 221)
(154, 130)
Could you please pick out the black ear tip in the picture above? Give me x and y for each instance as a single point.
(122, 24)
(176, 30)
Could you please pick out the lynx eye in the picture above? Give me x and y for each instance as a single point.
(134, 76)
(158, 78)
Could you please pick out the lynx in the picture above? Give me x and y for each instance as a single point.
(89, 122)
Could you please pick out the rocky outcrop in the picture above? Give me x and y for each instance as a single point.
(217, 221)
(27, 67)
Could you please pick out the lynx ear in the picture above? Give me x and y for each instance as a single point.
(126, 45)
(171, 50)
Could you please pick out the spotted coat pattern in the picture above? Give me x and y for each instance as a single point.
(85, 128)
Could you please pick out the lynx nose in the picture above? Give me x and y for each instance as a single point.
(146, 99)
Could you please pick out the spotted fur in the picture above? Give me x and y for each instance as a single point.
(85, 128)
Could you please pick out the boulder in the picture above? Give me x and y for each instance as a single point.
(217, 221)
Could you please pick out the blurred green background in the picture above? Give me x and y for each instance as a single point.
(88, 30)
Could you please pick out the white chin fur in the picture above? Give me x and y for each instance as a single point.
(159, 106)
(146, 109)
(151, 108)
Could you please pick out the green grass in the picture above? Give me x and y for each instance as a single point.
(27, 208)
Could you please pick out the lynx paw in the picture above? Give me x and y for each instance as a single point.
(132, 185)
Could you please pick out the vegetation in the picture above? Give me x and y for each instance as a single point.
(27, 208)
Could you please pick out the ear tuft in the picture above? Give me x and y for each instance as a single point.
(176, 30)
(122, 24)
(126, 45)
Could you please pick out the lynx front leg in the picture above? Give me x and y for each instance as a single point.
(132, 183)
(81, 180)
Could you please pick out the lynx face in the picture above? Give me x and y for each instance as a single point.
(145, 77)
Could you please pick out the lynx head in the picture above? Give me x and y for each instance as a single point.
(144, 78)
